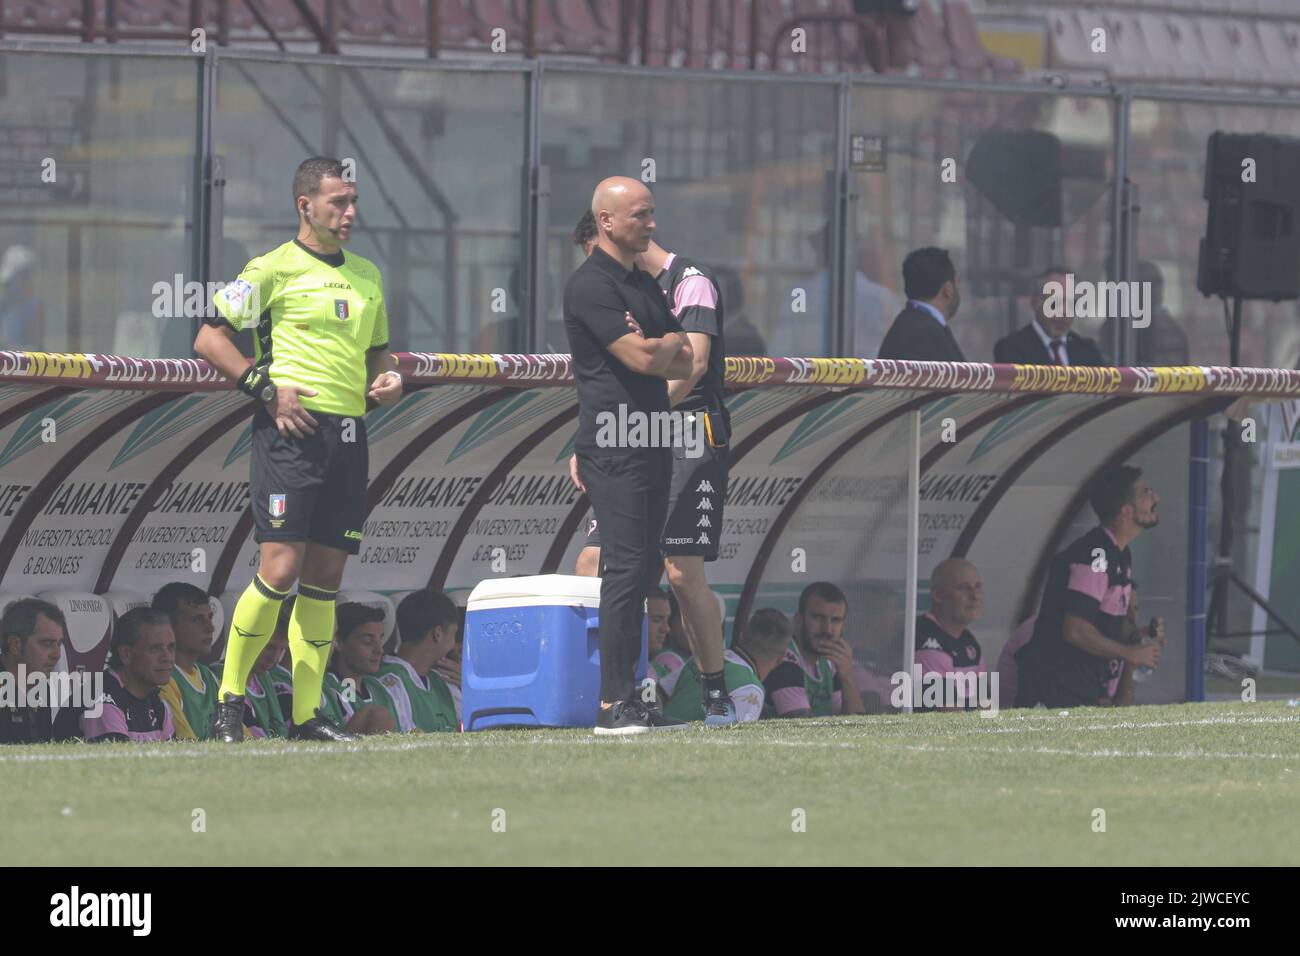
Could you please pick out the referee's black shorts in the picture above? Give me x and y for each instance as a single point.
(312, 488)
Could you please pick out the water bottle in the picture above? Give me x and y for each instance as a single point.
(1143, 674)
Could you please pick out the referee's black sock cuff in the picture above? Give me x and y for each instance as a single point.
(316, 594)
(268, 592)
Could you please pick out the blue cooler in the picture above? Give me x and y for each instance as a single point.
(532, 653)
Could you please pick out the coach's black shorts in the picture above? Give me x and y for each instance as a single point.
(695, 500)
(313, 488)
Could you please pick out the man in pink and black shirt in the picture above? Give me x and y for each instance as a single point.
(944, 646)
(143, 654)
(1084, 620)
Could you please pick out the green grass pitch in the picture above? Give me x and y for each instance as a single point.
(1214, 784)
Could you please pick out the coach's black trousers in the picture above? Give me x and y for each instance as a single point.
(628, 491)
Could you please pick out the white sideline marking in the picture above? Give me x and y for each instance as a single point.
(1175, 755)
(157, 751)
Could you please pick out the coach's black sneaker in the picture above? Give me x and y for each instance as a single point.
(320, 727)
(655, 717)
(623, 717)
(228, 721)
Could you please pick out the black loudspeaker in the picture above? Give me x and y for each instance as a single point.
(1019, 171)
(1251, 248)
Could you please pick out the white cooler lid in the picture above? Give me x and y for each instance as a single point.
(538, 589)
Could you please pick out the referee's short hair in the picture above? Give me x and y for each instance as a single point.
(925, 271)
(421, 611)
(822, 589)
(306, 181)
(1112, 490)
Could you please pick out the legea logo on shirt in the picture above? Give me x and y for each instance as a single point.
(637, 429)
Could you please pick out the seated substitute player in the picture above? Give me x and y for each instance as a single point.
(427, 622)
(140, 662)
(944, 645)
(32, 633)
(192, 691)
(807, 683)
(666, 664)
(761, 648)
(698, 488)
(1083, 620)
(321, 336)
(352, 682)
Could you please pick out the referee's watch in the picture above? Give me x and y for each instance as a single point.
(256, 383)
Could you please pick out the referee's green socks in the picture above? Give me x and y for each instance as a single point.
(311, 632)
(250, 631)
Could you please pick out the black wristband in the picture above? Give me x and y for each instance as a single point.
(254, 379)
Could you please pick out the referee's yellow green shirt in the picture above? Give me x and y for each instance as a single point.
(314, 317)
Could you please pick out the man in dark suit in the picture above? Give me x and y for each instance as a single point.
(1047, 340)
(921, 332)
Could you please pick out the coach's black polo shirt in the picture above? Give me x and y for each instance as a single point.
(595, 298)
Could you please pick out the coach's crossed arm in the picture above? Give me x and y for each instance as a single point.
(669, 357)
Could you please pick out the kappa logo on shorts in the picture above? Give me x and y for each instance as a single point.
(277, 506)
(703, 538)
(341, 309)
(591, 528)
(704, 505)
(703, 487)
(704, 522)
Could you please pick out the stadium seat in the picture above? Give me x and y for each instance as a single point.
(1070, 37)
(90, 627)
(579, 32)
(1181, 44)
(395, 639)
(928, 42)
(1281, 43)
(140, 14)
(492, 14)
(282, 15)
(238, 17)
(55, 14)
(219, 631)
(406, 21)
(964, 37)
(374, 599)
(1225, 40)
(366, 19)
(123, 601)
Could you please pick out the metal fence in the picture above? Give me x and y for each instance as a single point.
(126, 173)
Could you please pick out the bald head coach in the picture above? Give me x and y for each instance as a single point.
(626, 345)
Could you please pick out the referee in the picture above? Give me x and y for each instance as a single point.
(321, 334)
(625, 344)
